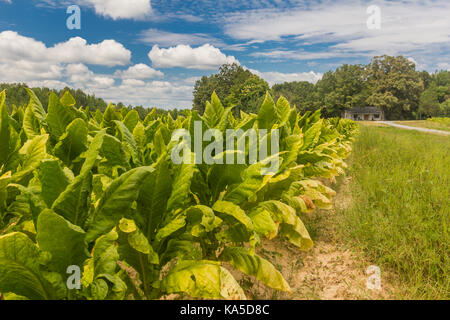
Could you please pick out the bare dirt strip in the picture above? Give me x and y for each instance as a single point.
(393, 124)
(330, 271)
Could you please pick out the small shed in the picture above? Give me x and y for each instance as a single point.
(364, 114)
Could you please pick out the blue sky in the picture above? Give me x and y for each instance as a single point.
(150, 52)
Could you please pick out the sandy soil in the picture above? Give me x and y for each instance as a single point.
(330, 271)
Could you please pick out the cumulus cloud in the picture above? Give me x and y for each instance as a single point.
(120, 9)
(206, 57)
(107, 52)
(163, 94)
(83, 78)
(139, 71)
(15, 47)
(24, 59)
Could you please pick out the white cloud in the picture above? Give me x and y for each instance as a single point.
(304, 55)
(120, 9)
(407, 26)
(444, 66)
(24, 59)
(81, 77)
(206, 57)
(279, 77)
(25, 70)
(107, 52)
(139, 71)
(167, 39)
(14, 47)
(162, 94)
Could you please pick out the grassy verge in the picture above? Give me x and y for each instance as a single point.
(425, 124)
(400, 207)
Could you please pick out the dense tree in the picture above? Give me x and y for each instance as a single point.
(302, 94)
(435, 100)
(17, 95)
(247, 96)
(396, 86)
(234, 86)
(429, 102)
(342, 89)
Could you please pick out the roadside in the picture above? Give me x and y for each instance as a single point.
(394, 124)
(399, 214)
(330, 271)
(428, 124)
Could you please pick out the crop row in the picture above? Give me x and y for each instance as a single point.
(99, 193)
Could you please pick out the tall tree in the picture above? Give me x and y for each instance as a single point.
(247, 96)
(429, 102)
(229, 78)
(302, 94)
(342, 89)
(396, 86)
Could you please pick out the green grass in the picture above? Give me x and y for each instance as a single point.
(400, 208)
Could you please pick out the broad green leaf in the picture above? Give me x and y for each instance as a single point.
(202, 279)
(73, 142)
(256, 266)
(30, 124)
(53, 180)
(32, 152)
(292, 226)
(267, 113)
(128, 139)
(114, 153)
(4, 181)
(58, 117)
(28, 203)
(131, 120)
(19, 267)
(117, 201)
(139, 134)
(73, 204)
(65, 241)
(174, 224)
(283, 110)
(233, 210)
(181, 187)
(152, 200)
(312, 135)
(109, 116)
(4, 130)
(214, 112)
(203, 219)
(36, 108)
(136, 251)
(264, 224)
(252, 181)
(68, 100)
(182, 249)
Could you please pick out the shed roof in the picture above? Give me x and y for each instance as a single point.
(365, 110)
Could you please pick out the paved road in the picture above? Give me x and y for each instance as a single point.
(392, 124)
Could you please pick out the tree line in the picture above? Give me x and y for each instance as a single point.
(389, 83)
(18, 96)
